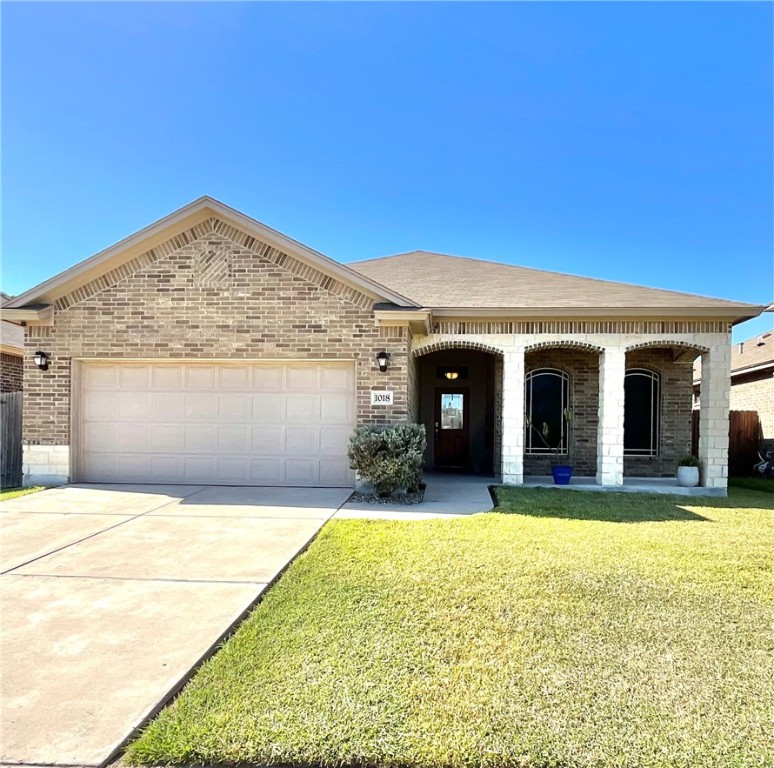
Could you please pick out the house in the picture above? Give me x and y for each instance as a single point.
(752, 381)
(209, 348)
(11, 353)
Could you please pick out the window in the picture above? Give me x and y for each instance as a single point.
(452, 411)
(547, 397)
(642, 411)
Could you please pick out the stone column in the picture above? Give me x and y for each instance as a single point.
(610, 431)
(513, 417)
(715, 394)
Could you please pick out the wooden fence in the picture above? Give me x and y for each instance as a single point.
(10, 439)
(744, 437)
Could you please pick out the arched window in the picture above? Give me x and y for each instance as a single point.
(547, 397)
(642, 412)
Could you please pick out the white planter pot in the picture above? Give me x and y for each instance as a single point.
(688, 477)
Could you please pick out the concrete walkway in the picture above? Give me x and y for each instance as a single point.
(110, 595)
(446, 496)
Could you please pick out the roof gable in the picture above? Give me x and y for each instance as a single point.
(174, 231)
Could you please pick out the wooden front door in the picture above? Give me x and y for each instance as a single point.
(452, 428)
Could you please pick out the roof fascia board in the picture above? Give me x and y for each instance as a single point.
(29, 315)
(9, 349)
(418, 321)
(752, 369)
(182, 219)
(734, 313)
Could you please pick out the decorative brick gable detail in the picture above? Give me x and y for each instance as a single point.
(265, 306)
(200, 232)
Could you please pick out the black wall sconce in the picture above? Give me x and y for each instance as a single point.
(382, 359)
(41, 360)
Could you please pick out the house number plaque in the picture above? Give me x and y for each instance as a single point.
(381, 397)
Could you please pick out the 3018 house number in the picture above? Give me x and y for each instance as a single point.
(381, 397)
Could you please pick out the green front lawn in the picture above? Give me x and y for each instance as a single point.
(12, 493)
(566, 630)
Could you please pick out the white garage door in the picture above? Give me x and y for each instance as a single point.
(221, 423)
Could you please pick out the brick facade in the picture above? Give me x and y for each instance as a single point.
(755, 392)
(212, 297)
(11, 373)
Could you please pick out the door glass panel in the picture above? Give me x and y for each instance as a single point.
(451, 411)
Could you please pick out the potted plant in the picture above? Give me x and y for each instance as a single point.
(562, 473)
(688, 472)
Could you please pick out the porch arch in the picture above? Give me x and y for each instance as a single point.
(439, 346)
(584, 346)
(667, 343)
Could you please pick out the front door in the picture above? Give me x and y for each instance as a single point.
(452, 430)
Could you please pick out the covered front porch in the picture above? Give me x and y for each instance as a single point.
(617, 410)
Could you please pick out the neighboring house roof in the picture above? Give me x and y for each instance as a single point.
(11, 335)
(440, 281)
(749, 356)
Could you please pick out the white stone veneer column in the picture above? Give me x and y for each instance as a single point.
(610, 431)
(513, 417)
(45, 465)
(713, 417)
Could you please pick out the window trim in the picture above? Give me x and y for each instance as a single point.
(655, 413)
(564, 443)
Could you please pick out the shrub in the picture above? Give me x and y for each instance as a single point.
(689, 461)
(388, 457)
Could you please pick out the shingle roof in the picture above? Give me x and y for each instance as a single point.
(753, 353)
(437, 280)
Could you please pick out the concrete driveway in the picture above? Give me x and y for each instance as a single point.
(111, 594)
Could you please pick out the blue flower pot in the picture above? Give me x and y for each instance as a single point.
(562, 474)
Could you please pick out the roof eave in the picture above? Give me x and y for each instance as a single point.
(733, 313)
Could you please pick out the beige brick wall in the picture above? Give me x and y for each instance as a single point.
(755, 392)
(213, 298)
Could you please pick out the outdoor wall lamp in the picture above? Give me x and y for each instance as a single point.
(382, 359)
(451, 375)
(41, 360)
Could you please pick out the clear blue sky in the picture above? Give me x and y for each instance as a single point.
(628, 141)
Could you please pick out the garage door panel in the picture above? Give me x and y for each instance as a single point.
(302, 408)
(235, 406)
(300, 472)
(336, 409)
(268, 409)
(306, 377)
(200, 377)
(100, 406)
(232, 377)
(133, 376)
(132, 437)
(267, 471)
(167, 377)
(336, 378)
(267, 378)
(201, 406)
(99, 436)
(167, 406)
(101, 376)
(301, 440)
(234, 439)
(168, 438)
(335, 472)
(268, 439)
(231, 423)
(132, 406)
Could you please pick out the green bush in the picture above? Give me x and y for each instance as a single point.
(689, 461)
(389, 457)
